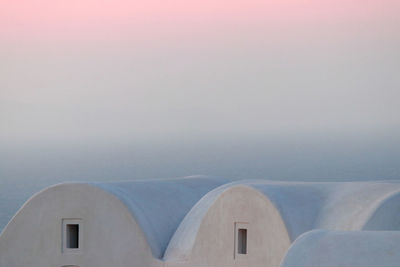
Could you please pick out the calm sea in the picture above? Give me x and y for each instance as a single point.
(26, 170)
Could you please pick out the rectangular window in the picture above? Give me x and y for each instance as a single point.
(241, 246)
(242, 241)
(72, 235)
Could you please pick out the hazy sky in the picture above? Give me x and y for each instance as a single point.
(73, 71)
(123, 89)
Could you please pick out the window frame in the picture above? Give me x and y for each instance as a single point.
(246, 226)
(66, 222)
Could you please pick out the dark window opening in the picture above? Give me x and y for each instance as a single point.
(242, 241)
(72, 236)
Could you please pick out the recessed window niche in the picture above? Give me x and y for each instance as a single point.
(71, 235)
(241, 239)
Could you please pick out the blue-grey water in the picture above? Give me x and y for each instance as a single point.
(25, 170)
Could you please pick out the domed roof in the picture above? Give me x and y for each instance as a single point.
(337, 206)
(159, 206)
(345, 249)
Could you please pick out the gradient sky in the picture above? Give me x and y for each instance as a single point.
(120, 90)
(79, 71)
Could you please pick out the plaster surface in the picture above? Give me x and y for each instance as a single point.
(192, 221)
(206, 237)
(110, 236)
(345, 249)
(159, 206)
(306, 206)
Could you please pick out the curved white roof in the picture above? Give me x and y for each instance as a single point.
(336, 206)
(184, 238)
(387, 215)
(305, 206)
(345, 249)
(299, 203)
(159, 206)
(181, 246)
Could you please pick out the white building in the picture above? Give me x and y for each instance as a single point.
(345, 249)
(194, 221)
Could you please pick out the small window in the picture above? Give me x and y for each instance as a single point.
(242, 241)
(241, 246)
(72, 236)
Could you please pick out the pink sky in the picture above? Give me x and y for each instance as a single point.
(27, 19)
(81, 68)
